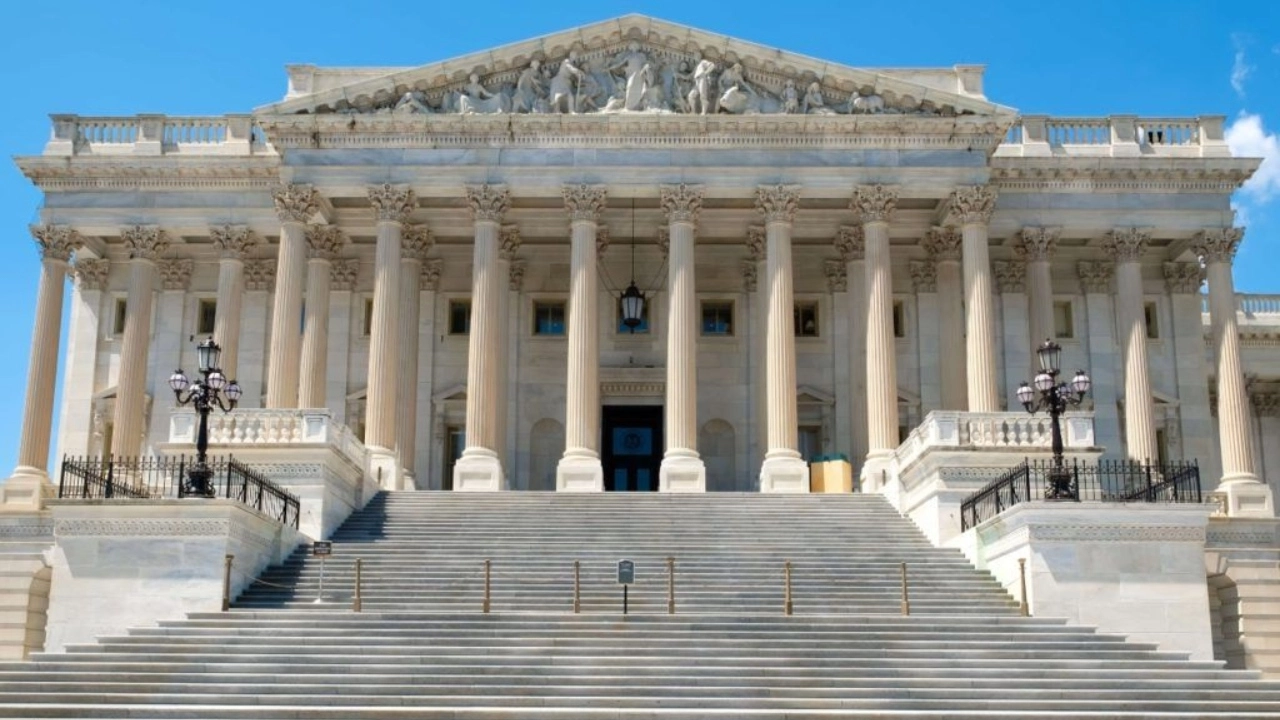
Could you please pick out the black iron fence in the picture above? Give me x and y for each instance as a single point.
(165, 477)
(1105, 481)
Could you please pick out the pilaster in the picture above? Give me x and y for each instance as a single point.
(417, 242)
(234, 243)
(851, 246)
(1096, 281)
(944, 244)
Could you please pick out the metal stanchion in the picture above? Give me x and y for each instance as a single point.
(786, 595)
(487, 567)
(577, 587)
(906, 598)
(1023, 606)
(357, 602)
(226, 582)
(671, 585)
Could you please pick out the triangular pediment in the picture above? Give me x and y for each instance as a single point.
(635, 64)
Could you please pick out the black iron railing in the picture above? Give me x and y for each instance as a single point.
(142, 478)
(1105, 481)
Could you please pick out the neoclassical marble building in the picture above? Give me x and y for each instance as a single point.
(435, 255)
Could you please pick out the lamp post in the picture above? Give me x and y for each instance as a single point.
(1053, 396)
(204, 394)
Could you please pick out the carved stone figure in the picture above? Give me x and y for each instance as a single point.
(529, 89)
(740, 100)
(475, 98)
(677, 82)
(412, 102)
(814, 104)
(872, 104)
(564, 94)
(733, 77)
(654, 96)
(632, 62)
(790, 98)
(702, 99)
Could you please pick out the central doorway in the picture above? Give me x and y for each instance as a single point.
(632, 447)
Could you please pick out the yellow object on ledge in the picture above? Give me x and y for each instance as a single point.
(831, 476)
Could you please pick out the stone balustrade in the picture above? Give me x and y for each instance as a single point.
(1015, 432)
(156, 135)
(1116, 136)
(260, 428)
(1251, 307)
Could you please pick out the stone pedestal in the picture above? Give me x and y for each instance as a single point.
(478, 470)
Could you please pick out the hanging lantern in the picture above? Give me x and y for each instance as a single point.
(632, 307)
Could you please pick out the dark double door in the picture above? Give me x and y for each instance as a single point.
(631, 451)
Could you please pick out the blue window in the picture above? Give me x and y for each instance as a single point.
(548, 318)
(717, 317)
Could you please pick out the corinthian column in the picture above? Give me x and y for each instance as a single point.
(579, 467)
(233, 243)
(324, 242)
(1126, 245)
(480, 468)
(1036, 246)
(417, 242)
(1242, 493)
(145, 245)
(851, 245)
(295, 204)
(873, 205)
(682, 468)
(392, 205)
(944, 245)
(783, 470)
(56, 245)
(973, 206)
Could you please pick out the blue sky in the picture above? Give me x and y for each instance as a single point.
(1084, 58)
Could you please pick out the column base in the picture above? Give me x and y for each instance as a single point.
(579, 473)
(26, 490)
(478, 470)
(784, 474)
(878, 475)
(384, 469)
(682, 471)
(1244, 496)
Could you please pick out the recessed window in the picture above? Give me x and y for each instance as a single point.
(642, 328)
(548, 317)
(717, 317)
(118, 318)
(899, 319)
(459, 317)
(1153, 320)
(367, 330)
(806, 319)
(1064, 320)
(206, 316)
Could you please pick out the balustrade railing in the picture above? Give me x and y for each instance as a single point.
(267, 427)
(156, 135)
(1104, 481)
(1249, 304)
(1012, 431)
(1116, 135)
(148, 478)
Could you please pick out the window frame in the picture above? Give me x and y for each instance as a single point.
(816, 305)
(537, 302)
(448, 316)
(1070, 304)
(733, 317)
(201, 304)
(1151, 318)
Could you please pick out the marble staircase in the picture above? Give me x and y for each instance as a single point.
(422, 648)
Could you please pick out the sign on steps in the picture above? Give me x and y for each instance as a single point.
(321, 548)
(626, 572)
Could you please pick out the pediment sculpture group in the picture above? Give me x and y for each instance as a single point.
(634, 81)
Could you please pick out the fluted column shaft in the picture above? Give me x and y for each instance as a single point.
(778, 204)
(315, 334)
(407, 397)
(488, 284)
(286, 310)
(226, 319)
(882, 365)
(682, 343)
(980, 341)
(945, 245)
(131, 385)
(1040, 302)
(856, 276)
(1139, 413)
(42, 374)
(582, 410)
(1238, 461)
(380, 421)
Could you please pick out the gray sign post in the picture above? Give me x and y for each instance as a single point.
(626, 576)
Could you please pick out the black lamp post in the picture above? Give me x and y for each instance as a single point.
(204, 394)
(1054, 397)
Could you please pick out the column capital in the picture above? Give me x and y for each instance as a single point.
(175, 273)
(91, 273)
(1218, 244)
(1037, 243)
(145, 242)
(392, 203)
(488, 203)
(1096, 275)
(973, 204)
(750, 275)
(324, 242)
(924, 275)
(943, 243)
(778, 203)
(56, 242)
(585, 203)
(233, 241)
(509, 242)
(755, 243)
(431, 269)
(295, 203)
(851, 243)
(1010, 275)
(874, 203)
(515, 275)
(343, 274)
(837, 276)
(1126, 244)
(416, 242)
(1183, 277)
(260, 275)
(682, 202)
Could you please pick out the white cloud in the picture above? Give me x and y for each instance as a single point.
(1248, 137)
(1241, 68)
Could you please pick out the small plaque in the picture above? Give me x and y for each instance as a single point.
(626, 572)
(323, 548)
